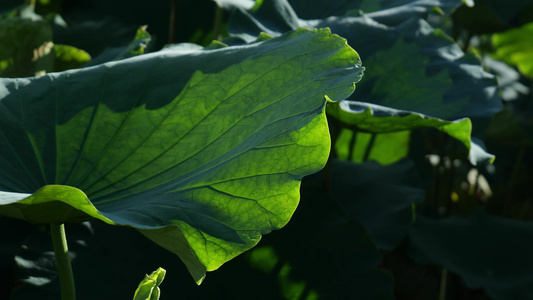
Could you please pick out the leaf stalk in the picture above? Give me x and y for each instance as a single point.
(217, 27)
(64, 268)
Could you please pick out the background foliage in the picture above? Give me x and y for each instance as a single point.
(411, 203)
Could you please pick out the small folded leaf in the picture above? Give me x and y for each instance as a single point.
(148, 289)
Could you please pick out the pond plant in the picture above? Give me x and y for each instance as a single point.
(231, 137)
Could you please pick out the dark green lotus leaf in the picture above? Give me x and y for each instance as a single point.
(516, 48)
(271, 17)
(487, 251)
(411, 66)
(509, 79)
(379, 197)
(416, 68)
(202, 152)
(282, 15)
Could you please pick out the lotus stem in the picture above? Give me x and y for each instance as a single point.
(172, 21)
(217, 27)
(369, 147)
(443, 284)
(64, 268)
(351, 145)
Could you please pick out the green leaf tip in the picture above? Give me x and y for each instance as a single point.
(50, 204)
(263, 37)
(216, 45)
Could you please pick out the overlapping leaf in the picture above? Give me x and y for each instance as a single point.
(411, 66)
(370, 118)
(202, 152)
(320, 9)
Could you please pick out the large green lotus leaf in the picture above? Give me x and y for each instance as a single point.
(202, 152)
(411, 66)
(486, 251)
(516, 47)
